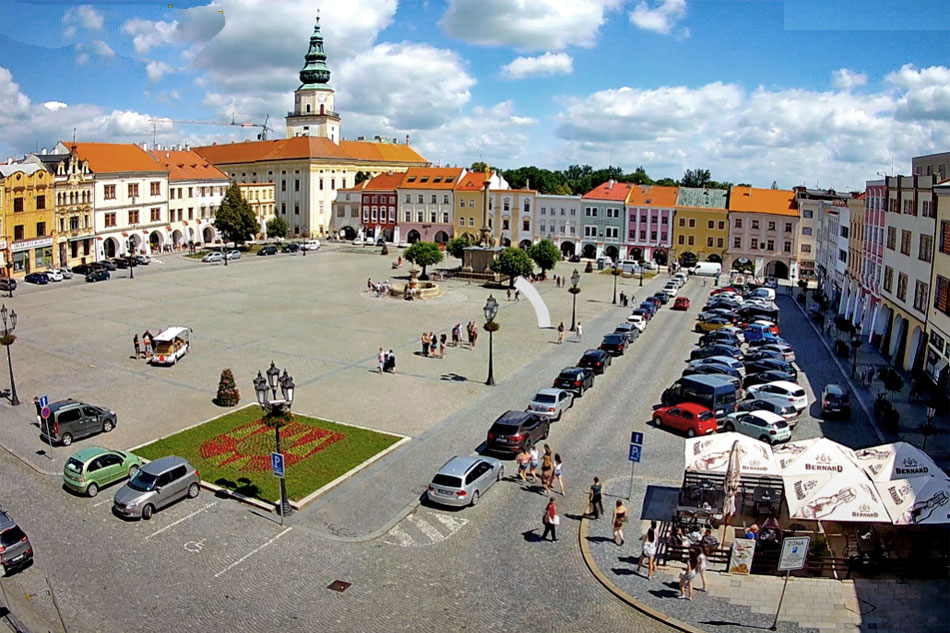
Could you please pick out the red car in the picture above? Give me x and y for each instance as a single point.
(681, 303)
(721, 290)
(692, 419)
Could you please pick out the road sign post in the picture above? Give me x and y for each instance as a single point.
(277, 468)
(634, 453)
(45, 413)
(792, 558)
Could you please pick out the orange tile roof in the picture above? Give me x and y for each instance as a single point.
(107, 158)
(472, 181)
(187, 165)
(617, 191)
(384, 182)
(414, 178)
(653, 196)
(309, 147)
(774, 201)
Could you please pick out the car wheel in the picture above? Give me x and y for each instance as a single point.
(193, 490)
(133, 471)
(559, 414)
(67, 439)
(729, 426)
(92, 490)
(690, 433)
(580, 392)
(657, 422)
(474, 499)
(107, 426)
(147, 511)
(766, 439)
(547, 431)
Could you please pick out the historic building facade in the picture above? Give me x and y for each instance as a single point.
(648, 229)
(700, 226)
(195, 191)
(763, 233)
(602, 221)
(557, 219)
(26, 218)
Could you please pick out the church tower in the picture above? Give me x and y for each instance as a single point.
(313, 113)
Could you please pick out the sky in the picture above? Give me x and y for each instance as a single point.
(826, 93)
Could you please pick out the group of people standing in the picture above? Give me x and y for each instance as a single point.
(386, 362)
(432, 345)
(143, 346)
(550, 463)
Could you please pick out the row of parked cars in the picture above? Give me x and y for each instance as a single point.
(462, 480)
(95, 271)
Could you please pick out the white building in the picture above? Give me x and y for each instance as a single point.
(196, 189)
(556, 220)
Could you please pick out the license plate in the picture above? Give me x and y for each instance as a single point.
(18, 558)
(443, 491)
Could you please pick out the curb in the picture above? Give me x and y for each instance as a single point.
(673, 623)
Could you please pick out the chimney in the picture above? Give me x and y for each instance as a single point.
(360, 138)
(187, 147)
(167, 155)
(145, 146)
(407, 139)
(390, 172)
(43, 152)
(610, 183)
(9, 160)
(395, 141)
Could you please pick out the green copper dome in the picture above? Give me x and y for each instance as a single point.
(315, 73)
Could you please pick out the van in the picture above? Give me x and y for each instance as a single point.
(170, 345)
(716, 393)
(764, 293)
(70, 419)
(707, 269)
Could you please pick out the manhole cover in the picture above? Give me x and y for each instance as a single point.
(339, 585)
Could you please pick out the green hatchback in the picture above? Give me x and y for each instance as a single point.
(95, 467)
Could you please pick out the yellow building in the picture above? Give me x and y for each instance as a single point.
(260, 197)
(511, 216)
(470, 205)
(700, 226)
(26, 218)
(937, 361)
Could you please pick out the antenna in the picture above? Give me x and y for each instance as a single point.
(74, 136)
(154, 131)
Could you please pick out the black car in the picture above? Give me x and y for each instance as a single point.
(715, 370)
(122, 262)
(716, 350)
(717, 337)
(762, 354)
(662, 297)
(85, 269)
(7, 284)
(770, 375)
(629, 330)
(596, 360)
(291, 247)
(576, 379)
(97, 275)
(614, 344)
(516, 430)
(770, 364)
(106, 264)
(37, 278)
(267, 250)
(835, 400)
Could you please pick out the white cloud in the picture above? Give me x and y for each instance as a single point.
(528, 24)
(545, 65)
(147, 34)
(96, 48)
(844, 79)
(157, 69)
(84, 16)
(53, 106)
(927, 92)
(659, 16)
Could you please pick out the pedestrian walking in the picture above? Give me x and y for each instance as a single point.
(509, 294)
(533, 464)
(595, 500)
(523, 460)
(547, 469)
(433, 344)
(474, 334)
(381, 360)
(517, 295)
(686, 579)
(560, 333)
(147, 341)
(558, 470)
(620, 517)
(135, 343)
(551, 520)
(425, 344)
(390, 364)
(442, 346)
(701, 567)
(455, 335)
(579, 332)
(622, 298)
(648, 552)
(36, 405)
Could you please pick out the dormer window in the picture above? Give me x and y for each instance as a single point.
(437, 179)
(424, 179)
(449, 178)
(411, 179)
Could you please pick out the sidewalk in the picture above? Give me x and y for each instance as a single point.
(912, 414)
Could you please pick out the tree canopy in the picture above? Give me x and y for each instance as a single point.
(579, 179)
(235, 220)
(514, 263)
(423, 254)
(545, 254)
(276, 227)
(456, 246)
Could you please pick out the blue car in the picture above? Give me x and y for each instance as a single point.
(649, 306)
(37, 278)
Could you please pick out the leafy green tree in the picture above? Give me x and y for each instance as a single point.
(514, 263)
(695, 178)
(666, 182)
(456, 246)
(423, 254)
(545, 254)
(276, 227)
(235, 220)
(360, 177)
(479, 166)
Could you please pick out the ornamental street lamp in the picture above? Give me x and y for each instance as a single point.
(855, 344)
(7, 341)
(641, 271)
(128, 249)
(615, 272)
(491, 310)
(278, 414)
(575, 279)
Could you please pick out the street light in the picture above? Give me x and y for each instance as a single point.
(491, 310)
(615, 271)
(575, 279)
(128, 248)
(7, 341)
(855, 344)
(929, 428)
(278, 413)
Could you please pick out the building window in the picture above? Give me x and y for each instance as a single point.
(737, 242)
(682, 222)
(806, 248)
(462, 206)
(156, 214)
(408, 197)
(891, 237)
(770, 245)
(191, 213)
(806, 230)
(755, 244)
(420, 199)
(926, 209)
(738, 223)
(133, 190)
(692, 223)
(921, 294)
(771, 226)
(945, 237)
(471, 221)
(680, 240)
(526, 225)
(842, 256)
(719, 242)
(905, 242)
(690, 240)
(471, 204)
(909, 207)
(807, 214)
(109, 219)
(612, 232)
(788, 227)
(888, 278)
(709, 240)
(40, 229)
(155, 188)
(134, 216)
(902, 286)
(711, 224)
(296, 208)
(942, 295)
(590, 231)
(788, 246)
(925, 248)
(407, 216)
(40, 203)
(755, 225)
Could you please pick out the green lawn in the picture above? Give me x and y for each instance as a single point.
(233, 452)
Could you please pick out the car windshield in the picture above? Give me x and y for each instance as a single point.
(798, 393)
(704, 415)
(74, 465)
(503, 429)
(545, 397)
(143, 481)
(12, 536)
(447, 480)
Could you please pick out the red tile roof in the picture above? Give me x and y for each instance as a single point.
(309, 147)
(472, 181)
(752, 200)
(187, 165)
(384, 182)
(106, 158)
(431, 178)
(653, 196)
(609, 190)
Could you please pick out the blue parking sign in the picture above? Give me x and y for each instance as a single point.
(636, 437)
(634, 455)
(277, 464)
(44, 401)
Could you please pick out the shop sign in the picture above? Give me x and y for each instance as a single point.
(27, 245)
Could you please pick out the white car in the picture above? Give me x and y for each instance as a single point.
(232, 255)
(66, 273)
(781, 390)
(54, 275)
(216, 256)
(762, 425)
(551, 403)
(310, 245)
(728, 361)
(671, 289)
(638, 321)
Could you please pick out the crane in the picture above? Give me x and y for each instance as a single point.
(234, 122)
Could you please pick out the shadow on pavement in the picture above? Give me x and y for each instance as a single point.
(531, 536)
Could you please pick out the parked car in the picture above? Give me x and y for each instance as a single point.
(41, 279)
(95, 467)
(772, 405)
(596, 360)
(719, 337)
(789, 391)
(671, 288)
(105, 264)
(681, 303)
(713, 313)
(771, 364)
(687, 417)
(728, 361)
(715, 350)
(517, 430)
(156, 485)
(267, 250)
(662, 297)
(142, 260)
(99, 274)
(551, 403)
(16, 551)
(576, 379)
(290, 247)
(461, 481)
(639, 319)
(712, 324)
(54, 275)
(213, 257)
(762, 425)
(7, 284)
(614, 344)
(770, 339)
(760, 354)
(714, 369)
(769, 375)
(629, 330)
(70, 419)
(650, 306)
(788, 354)
(66, 273)
(235, 254)
(314, 245)
(122, 263)
(84, 269)
(836, 400)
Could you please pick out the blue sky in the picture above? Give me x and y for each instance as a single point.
(801, 91)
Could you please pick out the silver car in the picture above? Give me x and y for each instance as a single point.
(16, 551)
(788, 354)
(157, 485)
(552, 402)
(462, 480)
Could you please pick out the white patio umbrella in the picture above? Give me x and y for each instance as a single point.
(830, 496)
(917, 500)
(710, 454)
(818, 456)
(731, 485)
(899, 460)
